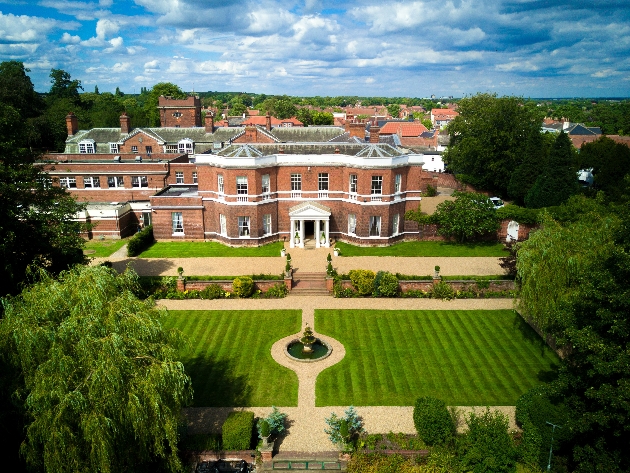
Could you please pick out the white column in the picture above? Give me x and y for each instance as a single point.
(318, 243)
(292, 235)
(327, 226)
(301, 233)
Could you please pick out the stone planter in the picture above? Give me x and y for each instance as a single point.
(283, 252)
(335, 252)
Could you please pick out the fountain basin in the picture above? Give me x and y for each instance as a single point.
(320, 350)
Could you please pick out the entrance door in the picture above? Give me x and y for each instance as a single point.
(309, 229)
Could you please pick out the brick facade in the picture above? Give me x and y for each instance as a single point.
(179, 113)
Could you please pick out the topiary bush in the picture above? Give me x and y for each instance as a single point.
(432, 420)
(362, 280)
(213, 291)
(385, 284)
(140, 241)
(243, 286)
(236, 431)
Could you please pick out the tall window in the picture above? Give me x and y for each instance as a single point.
(396, 224)
(323, 181)
(243, 226)
(352, 224)
(222, 225)
(375, 226)
(195, 177)
(115, 181)
(91, 182)
(185, 146)
(353, 186)
(296, 182)
(377, 184)
(265, 186)
(398, 183)
(179, 177)
(220, 187)
(134, 149)
(114, 148)
(267, 224)
(241, 189)
(139, 181)
(68, 182)
(148, 149)
(178, 222)
(86, 147)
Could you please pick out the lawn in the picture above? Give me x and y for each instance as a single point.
(425, 248)
(466, 358)
(103, 248)
(206, 249)
(229, 359)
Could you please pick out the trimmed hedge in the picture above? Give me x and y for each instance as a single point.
(518, 214)
(432, 420)
(243, 286)
(236, 431)
(140, 241)
(362, 280)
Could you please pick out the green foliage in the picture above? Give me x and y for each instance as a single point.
(442, 291)
(152, 98)
(385, 284)
(362, 281)
(243, 286)
(202, 443)
(418, 216)
(393, 110)
(534, 162)
(518, 214)
(610, 162)
(140, 241)
(213, 291)
(277, 291)
(352, 426)
(17, 91)
(432, 420)
(236, 432)
(95, 370)
(276, 421)
(469, 216)
(62, 87)
(487, 447)
(263, 428)
(431, 191)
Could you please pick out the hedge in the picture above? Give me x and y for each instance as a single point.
(432, 420)
(140, 241)
(237, 430)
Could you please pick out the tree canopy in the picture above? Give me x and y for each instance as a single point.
(98, 375)
(610, 162)
(469, 216)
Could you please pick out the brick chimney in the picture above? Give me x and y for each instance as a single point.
(375, 132)
(72, 124)
(125, 123)
(209, 122)
(251, 134)
(356, 129)
(268, 122)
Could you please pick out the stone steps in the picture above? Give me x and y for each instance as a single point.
(309, 284)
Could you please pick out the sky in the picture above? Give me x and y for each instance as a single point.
(530, 48)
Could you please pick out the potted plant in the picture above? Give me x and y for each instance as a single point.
(436, 275)
(283, 252)
(287, 269)
(265, 432)
(297, 238)
(323, 237)
(180, 271)
(336, 251)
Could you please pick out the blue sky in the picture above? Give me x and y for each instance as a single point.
(533, 48)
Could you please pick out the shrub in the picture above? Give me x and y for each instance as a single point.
(353, 427)
(275, 420)
(237, 430)
(140, 241)
(263, 428)
(432, 420)
(442, 291)
(417, 293)
(362, 280)
(213, 291)
(431, 191)
(341, 292)
(107, 264)
(243, 286)
(277, 291)
(385, 284)
(330, 271)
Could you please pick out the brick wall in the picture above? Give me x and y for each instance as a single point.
(182, 113)
(259, 285)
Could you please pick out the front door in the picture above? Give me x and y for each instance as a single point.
(309, 229)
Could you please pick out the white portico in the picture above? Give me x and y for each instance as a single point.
(309, 211)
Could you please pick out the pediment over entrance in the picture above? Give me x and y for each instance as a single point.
(309, 211)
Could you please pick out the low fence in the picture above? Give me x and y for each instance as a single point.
(426, 285)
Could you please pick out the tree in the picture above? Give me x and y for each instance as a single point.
(610, 162)
(535, 159)
(394, 110)
(284, 108)
(98, 375)
(237, 107)
(16, 89)
(62, 86)
(469, 216)
(305, 115)
(323, 118)
(558, 180)
(432, 420)
(428, 124)
(488, 139)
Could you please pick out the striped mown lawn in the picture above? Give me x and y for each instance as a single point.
(466, 358)
(229, 359)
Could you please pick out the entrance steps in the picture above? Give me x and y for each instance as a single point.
(309, 284)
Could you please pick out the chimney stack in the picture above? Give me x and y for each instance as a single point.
(268, 122)
(72, 124)
(125, 123)
(209, 122)
(375, 131)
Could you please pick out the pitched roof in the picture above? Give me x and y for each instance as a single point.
(403, 129)
(307, 134)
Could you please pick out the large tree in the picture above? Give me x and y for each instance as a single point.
(610, 162)
(98, 376)
(469, 216)
(489, 137)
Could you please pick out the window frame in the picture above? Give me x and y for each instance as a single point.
(91, 180)
(242, 187)
(267, 224)
(142, 181)
(323, 181)
(87, 147)
(396, 224)
(353, 186)
(296, 182)
(134, 148)
(186, 146)
(119, 182)
(222, 225)
(195, 177)
(244, 230)
(179, 177)
(177, 221)
(377, 185)
(352, 224)
(266, 186)
(220, 184)
(398, 183)
(375, 221)
(68, 182)
(114, 148)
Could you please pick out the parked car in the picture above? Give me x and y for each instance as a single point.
(497, 202)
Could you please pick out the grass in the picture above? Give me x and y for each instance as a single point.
(425, 248)
(466, 358)
(104, 248)
(206, 249)
(229, 360)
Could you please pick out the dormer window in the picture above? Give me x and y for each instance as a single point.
(114, 148)
(87, 147)
(185, 146)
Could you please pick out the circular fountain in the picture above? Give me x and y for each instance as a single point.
(308, 348)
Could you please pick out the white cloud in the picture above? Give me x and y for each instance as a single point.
(151, 66)
(116, 45)
(67, 38)
(25, 29)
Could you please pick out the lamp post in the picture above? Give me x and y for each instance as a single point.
(553, 429)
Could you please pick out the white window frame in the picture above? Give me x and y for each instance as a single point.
(267, 224)
(266, 187)
(68, 182)
(241, 189)
(377, 185)
(375, 226)
(92, 182)
(117, 181)
(177, 219)
(185, 146)
(322, 181)
(114, 148)
(139, 181)
(220, 184)
(352, 224)
(134, 148)
(396, 224)
(398, 183)
(171, 149)
(353, 186)
(222, 225)
(179, 177)
(243, 227)
(296, 182)
(148, 149)
(87, 147)
(195, 177)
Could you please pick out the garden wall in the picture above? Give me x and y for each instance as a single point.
(427, 285)
(261, 285)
